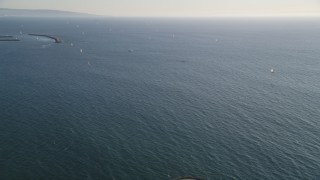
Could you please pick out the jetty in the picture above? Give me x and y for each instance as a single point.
(56, 39)
(8, 38)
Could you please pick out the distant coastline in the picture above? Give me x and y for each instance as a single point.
(5, 12)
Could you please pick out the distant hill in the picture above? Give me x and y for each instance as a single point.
(40, 13)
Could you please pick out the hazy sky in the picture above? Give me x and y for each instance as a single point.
(173, 7)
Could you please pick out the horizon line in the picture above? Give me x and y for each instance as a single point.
(312, 14)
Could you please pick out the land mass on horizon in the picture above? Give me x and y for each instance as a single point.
(40, 13)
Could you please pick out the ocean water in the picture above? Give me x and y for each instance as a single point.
(160, 98)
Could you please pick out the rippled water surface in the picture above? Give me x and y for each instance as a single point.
(160, 98)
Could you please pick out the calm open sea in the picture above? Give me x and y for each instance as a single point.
(160, 98)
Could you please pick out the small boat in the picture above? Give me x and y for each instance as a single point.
(272, 70)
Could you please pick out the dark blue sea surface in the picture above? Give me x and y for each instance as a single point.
(160, 98)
